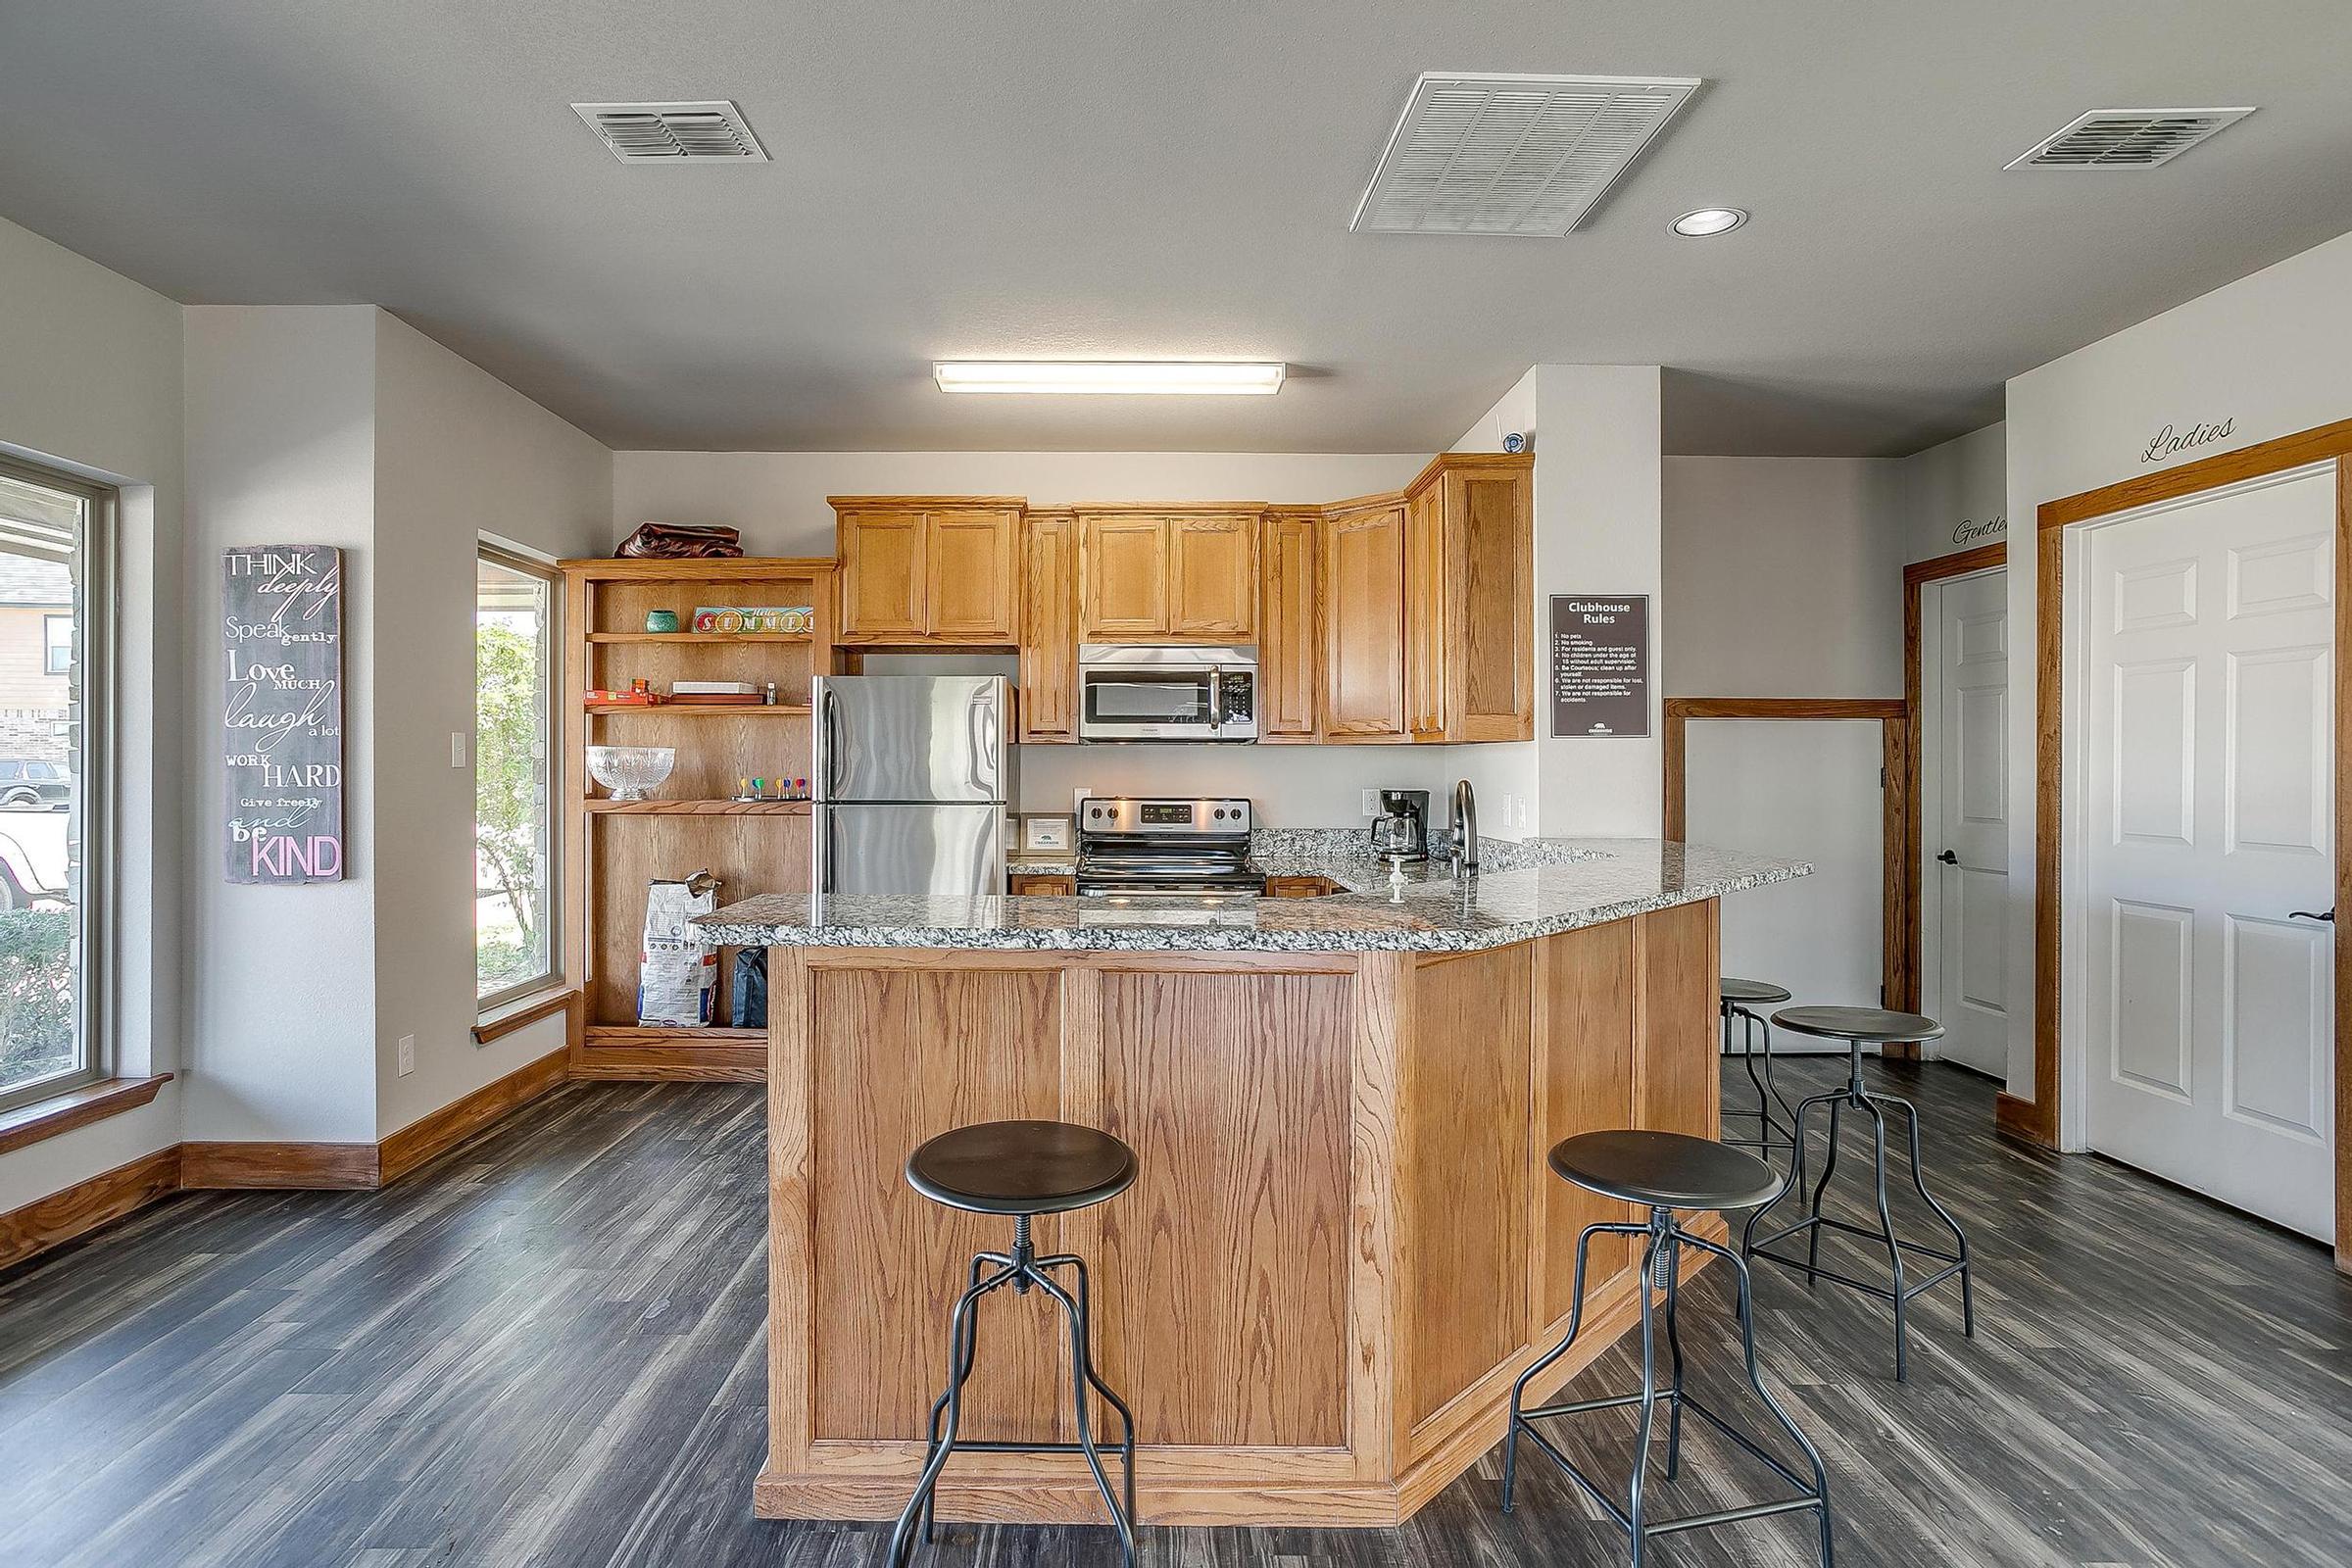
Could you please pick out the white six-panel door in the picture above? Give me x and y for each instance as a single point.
(1964, 658)
(2208, 770)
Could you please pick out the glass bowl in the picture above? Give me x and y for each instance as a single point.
(629, 772)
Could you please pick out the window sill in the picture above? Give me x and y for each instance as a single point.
(510, 1016)
(76, 1108)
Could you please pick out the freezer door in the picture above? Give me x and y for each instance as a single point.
(885, 738)
(901, 849)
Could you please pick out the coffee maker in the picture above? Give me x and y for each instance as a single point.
(1414, 806)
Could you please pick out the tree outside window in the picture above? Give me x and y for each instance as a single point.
(512, 795)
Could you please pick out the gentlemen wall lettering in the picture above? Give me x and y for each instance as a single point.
(281, 621)
(2170, 443)
(1989, 529)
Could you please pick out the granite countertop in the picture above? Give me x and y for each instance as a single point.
(1528, 890)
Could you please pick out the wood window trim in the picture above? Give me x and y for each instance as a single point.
(31, 1123)
(1899, 961)
(2040, 1120)
(522, 1011)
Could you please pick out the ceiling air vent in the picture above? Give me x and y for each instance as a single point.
(2128, 138)
(673, 133)
(1484, 154)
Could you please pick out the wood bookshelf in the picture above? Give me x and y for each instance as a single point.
(613, 847)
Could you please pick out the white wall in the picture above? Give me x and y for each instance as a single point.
(2264, 354)
(90, 381)
(281, 980)
(1957, 496)
(457, 453)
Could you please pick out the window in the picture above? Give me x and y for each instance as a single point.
(54, 641)
(513, 786)
(57, 643)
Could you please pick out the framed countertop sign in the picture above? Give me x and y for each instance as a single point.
(1599, 665)
(281, 625)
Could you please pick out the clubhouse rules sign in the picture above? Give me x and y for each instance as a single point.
(281, 621)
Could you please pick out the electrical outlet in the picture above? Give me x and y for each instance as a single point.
(407, 1055)
(1371, 806)
(457, 748)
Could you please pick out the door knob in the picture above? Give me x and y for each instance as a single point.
(2311, 915)
(1948, 858)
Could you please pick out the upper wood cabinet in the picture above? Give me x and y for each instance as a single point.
(1428, 604)
(1363, 623)
(1167, 576)
(919, 570)
(1049, 629)
(1288, 655)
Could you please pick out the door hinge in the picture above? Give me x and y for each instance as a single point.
(1882, 778)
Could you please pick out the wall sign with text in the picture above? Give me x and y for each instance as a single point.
(2170, 443)
(1599, 665)
(282, 623)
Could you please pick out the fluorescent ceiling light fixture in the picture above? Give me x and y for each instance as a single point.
(1709, 221)
(1095, 377)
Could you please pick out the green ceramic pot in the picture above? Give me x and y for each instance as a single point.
(661, 620)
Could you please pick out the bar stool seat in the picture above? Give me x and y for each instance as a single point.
(1753, 993)
(1857, 1027)
(1021, 1167)
(1663, 1172)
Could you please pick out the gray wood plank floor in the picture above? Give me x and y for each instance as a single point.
(546, 1349)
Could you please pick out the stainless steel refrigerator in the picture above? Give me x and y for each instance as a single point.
(914, 776)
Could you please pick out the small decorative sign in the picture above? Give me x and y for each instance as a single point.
(2169, 443)
(281, 620)
(1599, 665)
(737, 620)
(1968, 528)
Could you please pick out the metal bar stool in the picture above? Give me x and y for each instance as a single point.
(1858, 1027)
(1663, 1172)
(1021, 1169)
(1738, 998)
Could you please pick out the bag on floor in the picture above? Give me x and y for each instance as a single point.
(677, 971)
(750, 989)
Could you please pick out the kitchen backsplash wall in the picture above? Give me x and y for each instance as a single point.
(1289, 786)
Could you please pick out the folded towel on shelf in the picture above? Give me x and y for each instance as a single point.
(680, 541)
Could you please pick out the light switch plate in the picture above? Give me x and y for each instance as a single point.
(407, 1055)
(457, 748)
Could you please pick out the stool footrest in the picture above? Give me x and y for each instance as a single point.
(1864, 1232)
(1695, 1521)
(1851, 1283)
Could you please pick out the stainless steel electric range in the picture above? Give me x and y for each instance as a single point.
(1129, 845)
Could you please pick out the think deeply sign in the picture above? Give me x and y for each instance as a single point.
(1599, 665)
(281, 619)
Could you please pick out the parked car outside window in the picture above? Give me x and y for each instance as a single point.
(32, 785)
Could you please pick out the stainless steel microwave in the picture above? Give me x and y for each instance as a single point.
(1167, 692)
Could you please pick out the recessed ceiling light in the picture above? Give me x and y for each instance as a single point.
(1165, 377)
(1709, 221)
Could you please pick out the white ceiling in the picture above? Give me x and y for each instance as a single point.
(1154, 178)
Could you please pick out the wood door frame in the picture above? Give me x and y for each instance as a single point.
(1916, 576)
(1898, 917)
(2041, 1119)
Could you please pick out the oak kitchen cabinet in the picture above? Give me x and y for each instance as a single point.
(1288, 657)
(929, 570)
(1167, 575)
(1428, 607)
(1049, 662)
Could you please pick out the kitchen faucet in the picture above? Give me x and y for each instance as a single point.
(1465, 830)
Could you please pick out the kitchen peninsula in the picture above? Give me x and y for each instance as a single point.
(1342, 1247)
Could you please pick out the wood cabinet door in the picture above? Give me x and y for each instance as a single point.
(1428, 595)
(882, 576)
(1287, 647)
(1363, 625)
(973, 574)
(1213, 577)
(1050, 629)
(1490, 528)
(1123, 577)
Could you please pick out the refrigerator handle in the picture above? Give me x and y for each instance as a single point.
(828, 774)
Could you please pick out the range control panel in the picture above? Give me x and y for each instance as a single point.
(1112, 813)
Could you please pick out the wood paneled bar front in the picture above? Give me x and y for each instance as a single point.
(1343, 1248)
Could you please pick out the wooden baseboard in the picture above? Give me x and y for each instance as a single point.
(332, 1167)
(2025, 1119)
(436, 1133)
(85, 1205)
